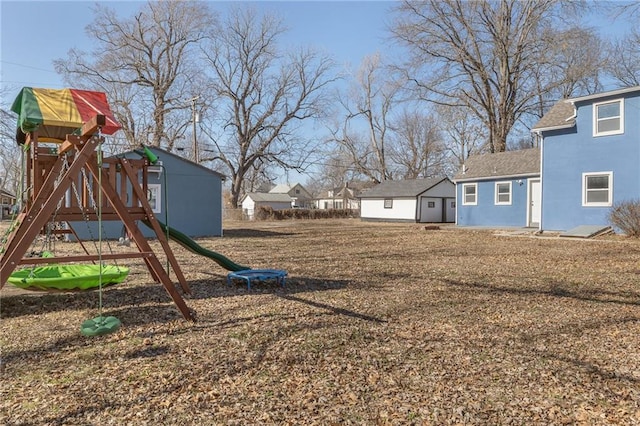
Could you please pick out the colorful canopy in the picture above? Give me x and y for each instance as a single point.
(54, 113)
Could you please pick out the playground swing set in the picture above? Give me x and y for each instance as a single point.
(68, 182)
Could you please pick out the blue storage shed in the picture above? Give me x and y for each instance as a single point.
(183, 194)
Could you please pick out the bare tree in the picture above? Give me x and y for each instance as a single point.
(418, 150)
(463, 134)
(338, 168)
(364, 132)
(146, 65)
(10, 153)
(478, 55)
(263, 96)
(624, 66)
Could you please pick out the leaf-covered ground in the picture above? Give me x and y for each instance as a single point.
(378, 324)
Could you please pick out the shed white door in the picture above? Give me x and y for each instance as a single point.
(535, 205)
(430, 209)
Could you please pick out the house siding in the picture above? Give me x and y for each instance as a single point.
(403, 209)
(191, 202)
(486, 212)
(567, 154)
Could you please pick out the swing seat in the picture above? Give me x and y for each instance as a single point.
(67, 277)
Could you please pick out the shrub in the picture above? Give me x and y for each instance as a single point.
(264, 213)
(626, 217)
(267, 213)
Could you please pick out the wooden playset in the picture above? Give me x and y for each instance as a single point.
(67, 181)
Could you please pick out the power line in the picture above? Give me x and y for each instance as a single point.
(28, 66)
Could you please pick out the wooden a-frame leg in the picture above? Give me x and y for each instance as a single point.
(156, 227)
(154, 265)
(41, 210)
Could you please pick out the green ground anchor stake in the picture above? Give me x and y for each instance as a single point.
(100, 326)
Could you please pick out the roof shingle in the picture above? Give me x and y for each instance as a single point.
(560, 116)
(401, 188)
(510, 163)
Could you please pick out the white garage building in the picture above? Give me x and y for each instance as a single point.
(418, 200)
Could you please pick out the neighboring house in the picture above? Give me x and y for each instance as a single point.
(342, 197)
(280, 197)
(590, 156)
(300, 197)
(7, 200)
(501, 189)
(252, 201)
(183, 194)
(417, 200)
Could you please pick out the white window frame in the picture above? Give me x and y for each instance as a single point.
(620, 117)
(497, 198)
(609, 201)
(154, 196)
(464, 194)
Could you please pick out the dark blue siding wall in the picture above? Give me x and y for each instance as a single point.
(191, 200)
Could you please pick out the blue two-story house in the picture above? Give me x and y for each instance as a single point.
(590, 149)
(588, 160)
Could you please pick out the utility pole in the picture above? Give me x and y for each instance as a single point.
(194, 119)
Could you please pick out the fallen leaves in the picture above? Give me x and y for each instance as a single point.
(378, 324)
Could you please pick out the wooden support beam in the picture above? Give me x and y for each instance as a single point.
(70, 143)
(82, 258)
(93, 125)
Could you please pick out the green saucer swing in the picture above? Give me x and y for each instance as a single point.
(67, 277)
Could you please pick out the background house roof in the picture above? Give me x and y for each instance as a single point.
(267, 197)
(281, 188)
(560, 116)
(401, 188)
(510, 163)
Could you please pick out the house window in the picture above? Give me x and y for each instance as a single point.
(154, 197)
(469, 194)
(388, 203)
(597, 189)
(608, 118)
(431, 204)
(503, 193)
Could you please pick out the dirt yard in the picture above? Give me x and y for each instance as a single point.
(378, 324)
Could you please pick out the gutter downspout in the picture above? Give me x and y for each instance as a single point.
(541, 179)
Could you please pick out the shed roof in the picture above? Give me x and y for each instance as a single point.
(501, 164)
(560, 116)
(160, 152)
(267, 197)
(401, 188)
